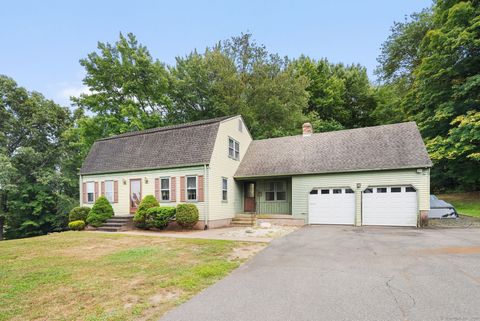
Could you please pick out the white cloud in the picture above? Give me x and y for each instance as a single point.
(69, 91)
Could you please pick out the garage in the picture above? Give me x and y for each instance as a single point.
(332, 206)
(389, 205)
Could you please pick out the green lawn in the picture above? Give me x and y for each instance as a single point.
(465, 203)
(94, 276)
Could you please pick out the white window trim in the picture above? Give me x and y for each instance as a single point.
(169, 189)
(235, 143)
(112, 191)
(196, 188)
(225, 190)
(93, 192)
(275, 191)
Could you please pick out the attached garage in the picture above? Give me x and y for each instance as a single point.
(386, 167)
(390, 205)
(332, 206)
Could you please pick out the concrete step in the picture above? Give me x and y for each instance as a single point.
(113, 224)
(108, 228)
(243, 218)
(118, 220)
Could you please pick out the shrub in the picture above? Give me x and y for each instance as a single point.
(140, 218)
(76, 225)
(79, 214)
(100, 212)
(160, 216)
(187, 215)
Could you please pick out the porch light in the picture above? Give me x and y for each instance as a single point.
(146, 180)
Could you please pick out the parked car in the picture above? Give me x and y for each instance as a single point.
(441, 209)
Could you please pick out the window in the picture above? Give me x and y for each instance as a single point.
(396, 189)
(381, 190)
(349, 191)
(368, 190)
(410, 189)
(90, 192)
(233, 149)
(109, 191)
(224, 189)
(314, 191)
(276, 191)
(240, 125)
(165, 188)
(192, 188)
(325, 191)
(337, 191)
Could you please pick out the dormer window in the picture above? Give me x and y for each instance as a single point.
(233, 149)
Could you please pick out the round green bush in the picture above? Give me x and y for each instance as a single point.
(100, 212)
(76, 225)
(140, 219)
(79, 213)
(160, 216)
(187, 215)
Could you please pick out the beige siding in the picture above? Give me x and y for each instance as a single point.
(302, 185)
(223, 166)
(148, 188)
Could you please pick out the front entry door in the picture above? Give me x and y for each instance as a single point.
(249, 197)
(135, 194)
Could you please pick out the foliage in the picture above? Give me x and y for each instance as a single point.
(338, 94)
(436, 55)
(35, 190)
(187, 215)
(128, 89)
(78, 225)
(79, 213)
(141, 218)
(160, 216)
(100, 212)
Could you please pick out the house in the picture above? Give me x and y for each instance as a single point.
(367, 176)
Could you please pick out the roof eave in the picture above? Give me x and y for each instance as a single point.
(80, 173)
(333, 172)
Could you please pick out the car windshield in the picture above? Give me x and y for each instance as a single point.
(433, 197)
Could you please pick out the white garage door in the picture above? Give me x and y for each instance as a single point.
(331, 206)
(392, 205)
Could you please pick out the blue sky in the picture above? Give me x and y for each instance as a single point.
(42, 41)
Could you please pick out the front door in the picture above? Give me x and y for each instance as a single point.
(135, 194)
(249, 197)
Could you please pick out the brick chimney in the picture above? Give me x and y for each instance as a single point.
(307, 129)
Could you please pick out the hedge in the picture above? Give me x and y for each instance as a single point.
(79, 214)
(187, 215)
(76, 225)
(100, 212)
(140, 219)
(160, 216)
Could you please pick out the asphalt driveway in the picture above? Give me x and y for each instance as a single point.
(347, 273)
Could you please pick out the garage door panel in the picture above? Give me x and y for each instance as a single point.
(332, 208)
(393, 209)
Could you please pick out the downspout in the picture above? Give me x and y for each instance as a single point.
(80, 189)
(205, 203)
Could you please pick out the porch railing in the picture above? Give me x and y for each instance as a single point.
(266, 207)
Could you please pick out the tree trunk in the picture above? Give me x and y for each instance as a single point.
(2, 221)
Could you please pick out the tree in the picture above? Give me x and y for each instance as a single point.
(337, 93)
(238, 76)
(438, 52)
(32, 181)
(128, 90)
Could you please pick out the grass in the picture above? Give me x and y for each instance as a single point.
(94, 276)
(465, 203)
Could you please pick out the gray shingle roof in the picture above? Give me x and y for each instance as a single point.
(169, 146)
(371, 148)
